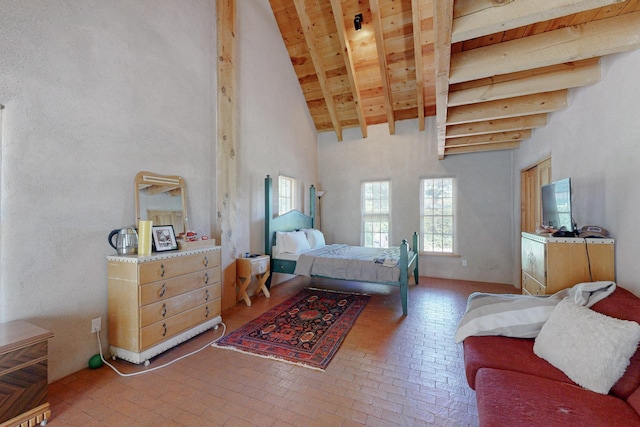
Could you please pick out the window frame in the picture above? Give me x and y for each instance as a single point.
(374, 216)
(289, 195)
(453, 216)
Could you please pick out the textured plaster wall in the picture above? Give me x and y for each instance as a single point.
(94, 92)
(276, 135)
(595, 141)
(484, 196)
(98, 91)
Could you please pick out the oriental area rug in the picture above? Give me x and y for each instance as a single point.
(306, 329)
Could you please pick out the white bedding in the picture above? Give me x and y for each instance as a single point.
(351, 263)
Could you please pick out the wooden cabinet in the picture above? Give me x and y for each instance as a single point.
(158, 301)
(23, 374)
(246, 268)
(550, 264)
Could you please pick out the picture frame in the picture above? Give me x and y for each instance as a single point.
(164, 238)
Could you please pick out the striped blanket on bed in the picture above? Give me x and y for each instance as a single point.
(522, 316)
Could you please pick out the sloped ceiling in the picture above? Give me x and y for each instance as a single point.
(489, 70)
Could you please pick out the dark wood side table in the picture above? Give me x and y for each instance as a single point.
(23, 374)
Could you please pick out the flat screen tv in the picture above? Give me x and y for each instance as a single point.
(556, 205)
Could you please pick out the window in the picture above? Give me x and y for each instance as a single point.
(437, 211)
(286, 194)
(375, 214)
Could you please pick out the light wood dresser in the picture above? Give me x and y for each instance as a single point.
(23, 374)
(157, 302)
(550, 264)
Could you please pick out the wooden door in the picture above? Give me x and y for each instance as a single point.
(531, 179)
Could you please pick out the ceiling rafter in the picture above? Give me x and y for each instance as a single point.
(513, 107)
(417, 49)
(382, 62)
(574, 75)
(317, 63)
(477, 18)
(443, 20)
(497, 125)
(336, 7)
(597, 38)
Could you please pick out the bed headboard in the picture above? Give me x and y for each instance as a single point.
(292, 220)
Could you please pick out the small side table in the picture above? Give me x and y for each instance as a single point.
(260, 267)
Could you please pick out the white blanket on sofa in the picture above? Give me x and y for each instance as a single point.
(522, 316)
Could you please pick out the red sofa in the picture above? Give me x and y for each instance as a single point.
(514, 387)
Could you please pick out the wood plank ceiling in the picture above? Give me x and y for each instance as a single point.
(489, 70)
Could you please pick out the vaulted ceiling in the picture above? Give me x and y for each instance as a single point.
(491, 71)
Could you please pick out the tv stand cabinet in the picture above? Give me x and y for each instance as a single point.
(550, 264)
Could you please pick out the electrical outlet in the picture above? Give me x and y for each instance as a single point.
(464, 262)
(96, 325)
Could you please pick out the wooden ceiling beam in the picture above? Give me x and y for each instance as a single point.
(417, 50)
(305, 21)
(489, 138)
(442, 21)
(477, 18)
(512, 107)
(583, 74)
(483, 147)
(374, 5)
(338, 16)
(499, 125)
(596, 38)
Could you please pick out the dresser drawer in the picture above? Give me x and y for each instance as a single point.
(165, 289)
(531, 286)
(164, 330)
(171, 267)
(162, 310)
(259, 266)
(533, 259)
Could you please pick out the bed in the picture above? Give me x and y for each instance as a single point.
(296, 247)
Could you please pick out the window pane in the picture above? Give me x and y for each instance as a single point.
(438, 215)
(286, 194)
(375, 213)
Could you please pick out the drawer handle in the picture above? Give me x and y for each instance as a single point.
(164, 309)
(205, 261)
(161, 271)
(164, 329)
(163, 290)
(206, 311)
(206, 278)
(206, 295)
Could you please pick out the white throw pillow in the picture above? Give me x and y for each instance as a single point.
(315, 237)
(293, 242)
(589, 347)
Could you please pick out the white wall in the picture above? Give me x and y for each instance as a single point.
(596, 142)
(98, 91)
(94, 92)
(484, 199)
(276, 135)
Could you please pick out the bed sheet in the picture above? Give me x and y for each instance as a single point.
(351, 263)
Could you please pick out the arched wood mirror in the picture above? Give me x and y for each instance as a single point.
(161, 199)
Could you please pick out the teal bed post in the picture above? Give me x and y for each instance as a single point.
(416, 250)
(268, 213)
(403, 263)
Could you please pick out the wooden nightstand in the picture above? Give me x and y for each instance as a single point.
(260, 267)
(23, 374)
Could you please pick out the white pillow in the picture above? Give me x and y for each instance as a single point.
(589, 347)
(292, 242)
(315, 237)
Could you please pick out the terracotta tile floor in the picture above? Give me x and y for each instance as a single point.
(390, 371)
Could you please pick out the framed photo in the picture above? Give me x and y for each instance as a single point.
(164, 239)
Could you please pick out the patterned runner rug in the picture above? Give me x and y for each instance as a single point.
(307, 329)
